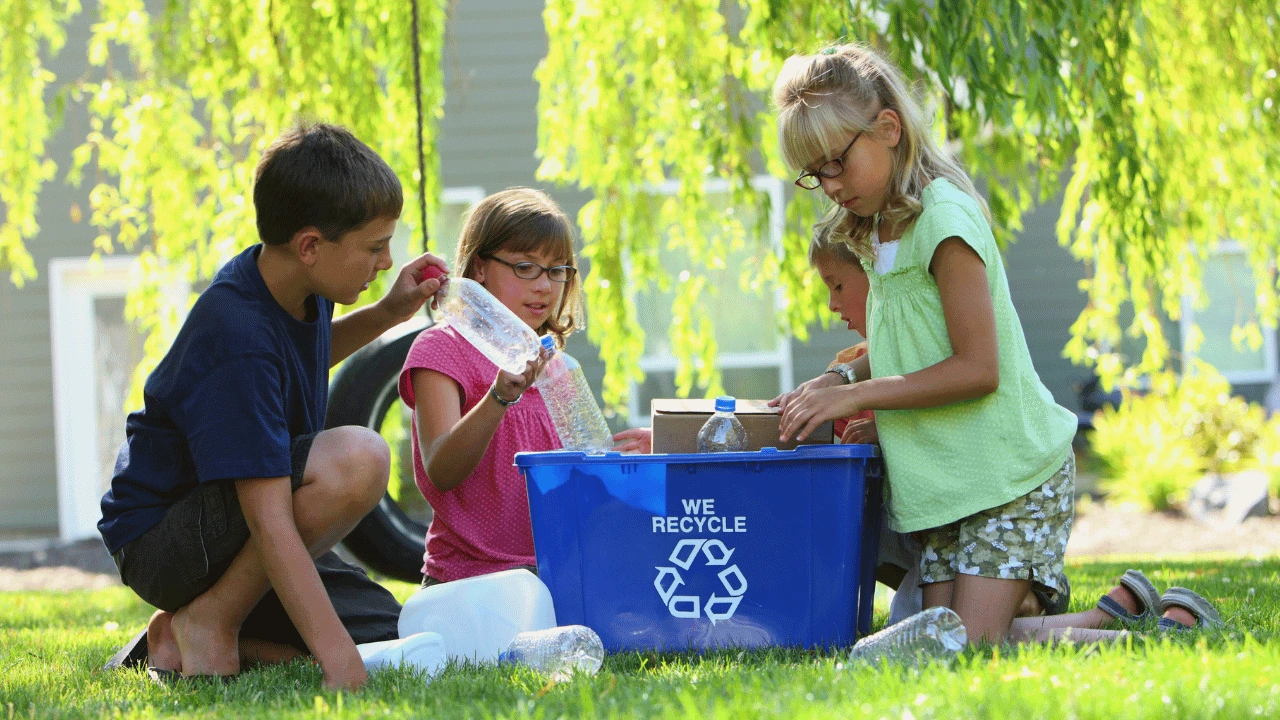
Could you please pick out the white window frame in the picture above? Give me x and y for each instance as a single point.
(74, 284)
(781, 356)
(1268, 373)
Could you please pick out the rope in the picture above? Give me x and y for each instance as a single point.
(417, 97)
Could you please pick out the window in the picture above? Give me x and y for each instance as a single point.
(754, 355)
(95, 352)
(1230, 289)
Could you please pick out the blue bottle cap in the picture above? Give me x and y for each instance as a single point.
(726, 403)
(548, 343)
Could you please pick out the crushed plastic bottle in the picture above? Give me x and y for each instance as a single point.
(577, 418)
(722, 432)
(559, 652)
(486, 323)
(933, 633)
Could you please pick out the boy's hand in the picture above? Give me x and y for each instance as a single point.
(814, 406)
(635, 440)
(350, 676)
(413, 287)
(826, 379)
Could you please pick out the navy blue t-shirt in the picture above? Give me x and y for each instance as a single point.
(242, 379)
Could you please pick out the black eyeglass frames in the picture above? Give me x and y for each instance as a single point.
(829, 169)
(533, 271)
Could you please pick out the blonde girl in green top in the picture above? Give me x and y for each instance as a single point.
(978, 454)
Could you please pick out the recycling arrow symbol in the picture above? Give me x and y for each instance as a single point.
(683, 556)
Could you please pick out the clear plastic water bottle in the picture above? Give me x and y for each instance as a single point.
(558, 652)
(934, 633)
(723, 432)
(486, 323)
(578, 420)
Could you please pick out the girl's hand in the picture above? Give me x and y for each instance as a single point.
(862, 431)
(814, 406)
(511, 386)
(826, 379)
(635, 440)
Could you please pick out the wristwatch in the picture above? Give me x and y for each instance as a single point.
(844, 370)
(493, 392)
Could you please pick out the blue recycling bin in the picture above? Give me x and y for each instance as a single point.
(678, 552)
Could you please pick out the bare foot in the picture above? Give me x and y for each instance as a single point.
(262, 652)
(162, 647)
(206, 647)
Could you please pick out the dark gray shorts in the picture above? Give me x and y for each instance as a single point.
(183, 556)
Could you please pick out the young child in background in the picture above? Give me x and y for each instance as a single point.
(471, 418)
(978, 455)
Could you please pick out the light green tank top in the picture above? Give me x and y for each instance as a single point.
(950, 462)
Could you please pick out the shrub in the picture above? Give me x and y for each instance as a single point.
(1156, 445)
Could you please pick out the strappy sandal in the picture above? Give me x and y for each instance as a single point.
(1202, 610)
(1143, 591)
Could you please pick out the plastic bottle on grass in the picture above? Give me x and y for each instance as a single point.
(558, 652)
(485, 322)
(934, 633)
(573, 409)
(723, 432)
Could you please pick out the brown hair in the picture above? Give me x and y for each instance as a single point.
(824, 99)
(322, 176)
(522, 220)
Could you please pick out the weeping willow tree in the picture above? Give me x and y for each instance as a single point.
(181, 105)
(1161, 115)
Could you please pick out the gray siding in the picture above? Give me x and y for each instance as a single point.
(1043, 281)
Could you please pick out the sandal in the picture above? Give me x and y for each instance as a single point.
(1202, 610)
(1143, 591)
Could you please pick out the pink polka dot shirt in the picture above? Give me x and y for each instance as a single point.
(482, 525)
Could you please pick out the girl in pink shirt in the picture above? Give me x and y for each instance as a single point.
(471, 418)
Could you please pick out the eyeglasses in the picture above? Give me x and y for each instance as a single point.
(828, 169)
(533, 271)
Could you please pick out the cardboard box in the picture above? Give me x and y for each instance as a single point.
(676, 424)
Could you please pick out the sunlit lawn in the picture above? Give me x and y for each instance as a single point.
(53, 644)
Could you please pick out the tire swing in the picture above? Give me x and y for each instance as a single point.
(365, 392)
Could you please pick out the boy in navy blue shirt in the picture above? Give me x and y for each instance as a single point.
(228, 486)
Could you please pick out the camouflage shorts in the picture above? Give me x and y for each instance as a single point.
(1024, 539)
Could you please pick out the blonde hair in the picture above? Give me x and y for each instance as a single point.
(522, 220)
(825, 98)
(824, 246)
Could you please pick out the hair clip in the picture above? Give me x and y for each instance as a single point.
(829, 51)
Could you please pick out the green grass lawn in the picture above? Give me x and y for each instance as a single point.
(53, 644)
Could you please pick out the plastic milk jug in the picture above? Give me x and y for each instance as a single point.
(479, 617)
